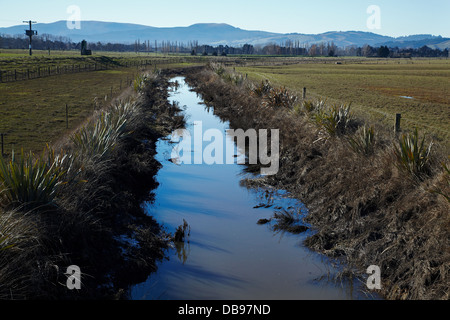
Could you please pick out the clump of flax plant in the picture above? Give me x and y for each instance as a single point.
(413, 155)
(97, 140)
(363, 142)
(29, 181)
(335, 120)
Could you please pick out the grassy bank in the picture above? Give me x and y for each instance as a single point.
(34, 111)
(79, 203)
(19, 60)
(369, 204)
(377, 89)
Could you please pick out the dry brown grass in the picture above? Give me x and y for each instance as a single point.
(99, 204)
(364, 210)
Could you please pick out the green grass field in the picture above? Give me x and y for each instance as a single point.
(19, 61)
(24, 53)
(376, 88)
(33, 112)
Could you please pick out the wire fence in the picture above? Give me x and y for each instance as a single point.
(21, 74)
(9, 139)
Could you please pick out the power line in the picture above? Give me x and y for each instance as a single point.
(30, 33)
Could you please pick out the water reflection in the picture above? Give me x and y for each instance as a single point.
(228, 254)
(183, 251)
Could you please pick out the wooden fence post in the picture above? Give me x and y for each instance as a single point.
(304, 93)
(3, 149)
(398, 119)
(67, 117)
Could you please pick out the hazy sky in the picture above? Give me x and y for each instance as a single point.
(397, 17)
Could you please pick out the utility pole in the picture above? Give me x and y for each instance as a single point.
(30, 33)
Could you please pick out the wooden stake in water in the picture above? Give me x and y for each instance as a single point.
(67, 117)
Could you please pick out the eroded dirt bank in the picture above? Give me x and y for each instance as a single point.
(365, 212)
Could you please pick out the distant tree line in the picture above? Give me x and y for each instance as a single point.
(288, 48)
(41, 42)
(396, 52)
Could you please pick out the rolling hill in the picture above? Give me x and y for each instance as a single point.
(216, 34)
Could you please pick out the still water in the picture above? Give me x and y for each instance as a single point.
(228, 256)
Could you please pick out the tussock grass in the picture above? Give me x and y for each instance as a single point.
(443, 185)
(413, 156)
(363, 142)
(27, 182)
(274, 97)
(139, 83)
(262, 89)
(313, 107)
(19, 250)
(336, 120)
(281, 98)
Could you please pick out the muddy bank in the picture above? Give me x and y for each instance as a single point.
(364, 210)
(97, 222)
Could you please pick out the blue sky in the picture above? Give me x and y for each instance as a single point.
(397, 17)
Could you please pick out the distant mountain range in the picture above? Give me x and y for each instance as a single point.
(217, 34)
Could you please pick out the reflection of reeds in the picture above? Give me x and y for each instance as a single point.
(181, 241)
(288, 221)
(182, 232)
